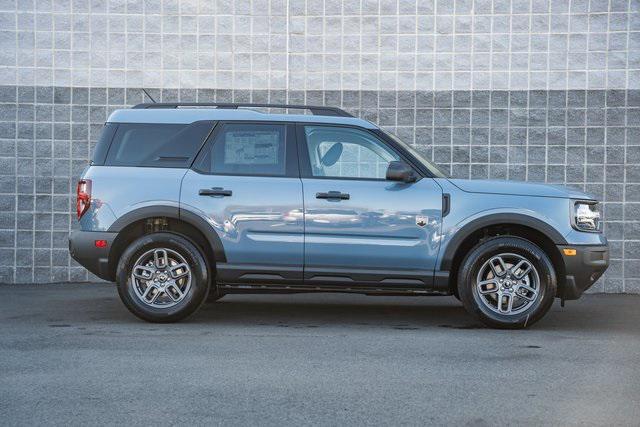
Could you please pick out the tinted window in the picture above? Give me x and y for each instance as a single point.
(157, 145)
(102, 146)
(347, 153)
(247, 149)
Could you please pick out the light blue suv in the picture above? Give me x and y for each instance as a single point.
(188, 202)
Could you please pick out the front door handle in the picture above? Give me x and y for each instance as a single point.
(333, 195)
(215, 191)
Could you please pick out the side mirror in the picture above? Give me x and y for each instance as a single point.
(400, 171)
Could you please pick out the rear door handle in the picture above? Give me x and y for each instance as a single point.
(334, 195)
(215, 191)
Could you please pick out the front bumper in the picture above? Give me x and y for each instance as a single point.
(582, 269)
(82, 248)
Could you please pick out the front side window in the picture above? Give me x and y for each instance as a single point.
(247, 149)
(342, 152)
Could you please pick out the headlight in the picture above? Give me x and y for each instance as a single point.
(586, 216)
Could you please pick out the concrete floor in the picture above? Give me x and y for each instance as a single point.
(72, 354)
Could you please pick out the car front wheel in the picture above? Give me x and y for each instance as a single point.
(507, 282)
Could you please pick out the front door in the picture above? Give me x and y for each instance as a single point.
(245, 183)
(361, 229)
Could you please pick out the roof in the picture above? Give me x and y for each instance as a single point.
(190, 115)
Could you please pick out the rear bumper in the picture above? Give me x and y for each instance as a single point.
(82, 248)
(583, 268)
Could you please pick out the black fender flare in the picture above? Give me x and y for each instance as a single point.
(174, 212)
(495, 219)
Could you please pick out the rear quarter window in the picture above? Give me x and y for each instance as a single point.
(157, 145)
(102, 146)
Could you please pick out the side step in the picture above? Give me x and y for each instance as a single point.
(362, 289)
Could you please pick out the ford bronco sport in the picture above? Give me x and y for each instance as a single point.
(188, 202)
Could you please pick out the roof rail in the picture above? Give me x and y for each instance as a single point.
(317, 110)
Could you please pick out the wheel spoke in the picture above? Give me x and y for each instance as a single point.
(174, 288)
(160, 258)
(510, 303)
(488, 286)
(526, 292)
(143, 272)
(505, 302)
(521, 269)
(155, 297)
(498, 266)
(179, 270)
(147, 291)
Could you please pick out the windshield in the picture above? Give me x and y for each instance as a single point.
(437, 173)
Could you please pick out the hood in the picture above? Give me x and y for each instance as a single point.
(518, 188)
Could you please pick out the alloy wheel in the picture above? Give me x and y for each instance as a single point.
(161, 278)
(508, 284)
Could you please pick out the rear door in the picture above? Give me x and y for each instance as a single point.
(245, 183)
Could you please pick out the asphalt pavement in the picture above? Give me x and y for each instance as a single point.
(73, 355)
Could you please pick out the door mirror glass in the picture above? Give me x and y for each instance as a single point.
(400, 171)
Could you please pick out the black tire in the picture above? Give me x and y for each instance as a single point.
(473, 300)
(193, 298)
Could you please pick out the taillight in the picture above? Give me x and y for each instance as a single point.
(83, 199)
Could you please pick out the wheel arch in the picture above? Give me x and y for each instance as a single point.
(151, 219)
(519, 225)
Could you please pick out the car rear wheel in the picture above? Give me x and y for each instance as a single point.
(162, 277)
(507, 282)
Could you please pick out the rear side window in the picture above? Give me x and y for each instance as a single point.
(102, 146)
(247, 149)
(157, 145)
